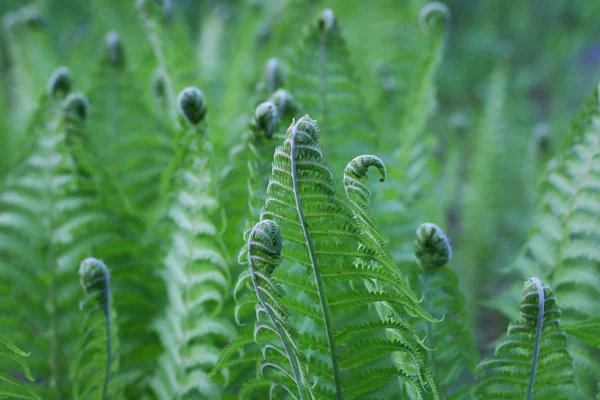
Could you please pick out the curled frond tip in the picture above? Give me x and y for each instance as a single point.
(266, 119)
(76, 105)
(192, 105)
(432, 247)
(360, 165)
(60, 83)
(265, 244)
(114, 49)
(433, 14)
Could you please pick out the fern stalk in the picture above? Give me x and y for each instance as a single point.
(317, 274)
(538, 336)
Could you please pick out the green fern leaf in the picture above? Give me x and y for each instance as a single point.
(562, 247)
(533, 361)
(196, 270)
(587, 331)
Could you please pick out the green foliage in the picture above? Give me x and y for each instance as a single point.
(11, 387)
(460, 109)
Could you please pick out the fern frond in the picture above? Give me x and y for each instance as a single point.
(563, 245)
(454, 354)
(12, 387)
(94, 368)
(484, 187)
(50, 216)
(322, 233)
(533, 361)
(196, 270)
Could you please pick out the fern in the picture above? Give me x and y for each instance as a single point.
(49, 217)
(12, 387)
(300, 199)
(562, 245)
(533, 361)
(196, 266)
(96, 363)
(455, 356)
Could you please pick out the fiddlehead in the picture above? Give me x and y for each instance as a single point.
(192, 105)
(60, 83)
(114, 50)
(432, 248)
(264, 255)
(434, 15)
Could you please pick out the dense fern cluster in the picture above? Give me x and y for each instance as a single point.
(204, 168)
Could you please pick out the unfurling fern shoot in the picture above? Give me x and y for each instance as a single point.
(264, 255)
(97, 361)
(454, 354)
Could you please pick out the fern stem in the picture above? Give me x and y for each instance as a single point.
(108, 334)
(280, 332)
(315, 266)
(538, 336)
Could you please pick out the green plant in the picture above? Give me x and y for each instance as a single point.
(215, 128)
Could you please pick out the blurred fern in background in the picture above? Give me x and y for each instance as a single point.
(205, 167)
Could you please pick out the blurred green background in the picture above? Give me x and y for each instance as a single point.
(542, 57)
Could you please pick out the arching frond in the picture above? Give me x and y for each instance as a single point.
(563, 245)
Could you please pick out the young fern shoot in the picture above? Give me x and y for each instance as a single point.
(96, 363)
(455, 356)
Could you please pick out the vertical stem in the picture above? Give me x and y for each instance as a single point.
(538, 337)
(108, 336)
(318, 279)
